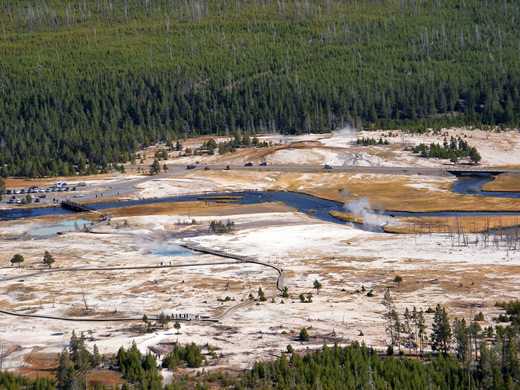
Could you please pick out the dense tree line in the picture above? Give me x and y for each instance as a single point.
(85, 83)
(453, 150)
(219, 227)
(371, 141)
(191, 355)
(9, 381)
(140, 370)
(74, 363)
(512, 309)
(232, 145)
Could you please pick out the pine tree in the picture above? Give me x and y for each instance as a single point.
(420, 326)
(261, 295)
(408, 329)
(155, 168)
(317, 286)
(285, 292)
(65, 375)
(17, 259)
(441, 333)
(304, 336)
(163, 319)
(48, 259)
(389, 315)
(460, 333)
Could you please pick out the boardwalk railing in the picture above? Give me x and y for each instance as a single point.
(243, 259)
(77, 207)
(469, 171)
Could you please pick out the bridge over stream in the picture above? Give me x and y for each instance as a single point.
(460, 171)
(77, 207)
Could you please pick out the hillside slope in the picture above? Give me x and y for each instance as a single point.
(90, 81)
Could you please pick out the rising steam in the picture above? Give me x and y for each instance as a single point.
(362, 208)
(158, 246)
(346, 131)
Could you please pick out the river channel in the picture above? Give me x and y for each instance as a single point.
(308, 204)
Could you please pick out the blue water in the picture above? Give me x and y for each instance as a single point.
(66, 226)
(472, 185)
(11, 214)
(173, 252)
(301, 202)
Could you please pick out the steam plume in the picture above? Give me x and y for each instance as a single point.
(346, 131)
(362, 208)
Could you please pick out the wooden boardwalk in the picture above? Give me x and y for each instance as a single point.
(243, 259)
(77, 207)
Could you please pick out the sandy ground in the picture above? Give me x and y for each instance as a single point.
(340, 148)
(435, 268)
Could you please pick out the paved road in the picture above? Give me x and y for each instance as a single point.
(125, 186)
(176, 169)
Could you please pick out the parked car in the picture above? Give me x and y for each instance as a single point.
(191, 167)
(79, 196)
(37, 200)
(327, 166)
(8, 192)
(249, 164)
(263, 164)
(43, 196)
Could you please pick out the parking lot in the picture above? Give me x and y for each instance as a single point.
(35, 194)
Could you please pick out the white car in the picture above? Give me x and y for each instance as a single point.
(79, 196)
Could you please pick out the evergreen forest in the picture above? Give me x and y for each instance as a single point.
(85, 83)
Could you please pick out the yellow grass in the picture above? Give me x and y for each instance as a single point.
(424, 225)
(475, 224)
(503, 183)
(390, 192)
(395, 193)
(198, 208)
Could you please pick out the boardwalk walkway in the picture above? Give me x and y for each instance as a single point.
(77, 207)
(243, 259)
(188, 245)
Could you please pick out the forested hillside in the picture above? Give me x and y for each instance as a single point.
(89, 81)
